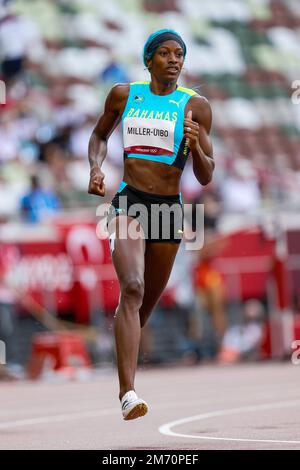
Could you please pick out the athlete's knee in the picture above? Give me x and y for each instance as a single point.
(133, 289)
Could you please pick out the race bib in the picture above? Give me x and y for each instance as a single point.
(148, 136)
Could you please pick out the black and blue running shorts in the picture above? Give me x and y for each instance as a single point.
(160, 216)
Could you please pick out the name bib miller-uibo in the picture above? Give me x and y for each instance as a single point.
(148, 136)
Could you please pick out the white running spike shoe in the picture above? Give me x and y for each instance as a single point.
(132, 406)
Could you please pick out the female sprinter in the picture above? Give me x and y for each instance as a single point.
(162, 124)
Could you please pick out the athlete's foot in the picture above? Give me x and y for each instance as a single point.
(132, 406)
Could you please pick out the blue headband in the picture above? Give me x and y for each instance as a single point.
(157, 38)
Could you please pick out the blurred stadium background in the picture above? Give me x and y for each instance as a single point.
(237, 299)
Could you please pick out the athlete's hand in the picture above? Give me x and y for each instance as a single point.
(191, 131)
(96, 184)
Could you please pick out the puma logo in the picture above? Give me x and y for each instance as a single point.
(176, 102)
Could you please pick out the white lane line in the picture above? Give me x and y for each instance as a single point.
(167, 428)
(72, 416)
(58, 418)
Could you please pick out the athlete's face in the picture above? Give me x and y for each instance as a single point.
(167, 61)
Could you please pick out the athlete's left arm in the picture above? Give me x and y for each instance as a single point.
(197, 125)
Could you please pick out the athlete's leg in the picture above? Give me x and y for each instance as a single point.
(159, 260)
(128, 259)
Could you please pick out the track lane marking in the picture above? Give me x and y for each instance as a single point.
(166, 428)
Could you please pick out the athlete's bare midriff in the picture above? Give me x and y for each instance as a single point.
(152, 177)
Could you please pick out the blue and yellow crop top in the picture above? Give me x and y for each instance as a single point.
(153, 125)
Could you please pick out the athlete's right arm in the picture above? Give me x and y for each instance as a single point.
(113, 109)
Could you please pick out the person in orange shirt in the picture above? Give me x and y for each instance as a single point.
(209, 283)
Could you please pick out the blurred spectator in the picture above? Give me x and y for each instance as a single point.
(209, 284)
(114, 73)
(39, 203)
(243, 341)
(9, 199)
(239, 190)
(11, 46)
(17, 34)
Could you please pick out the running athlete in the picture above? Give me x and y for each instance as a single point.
(162, 124)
